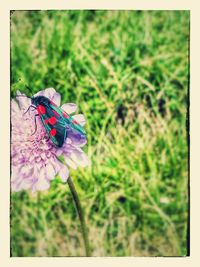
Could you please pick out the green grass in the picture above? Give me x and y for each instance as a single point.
(128, 73)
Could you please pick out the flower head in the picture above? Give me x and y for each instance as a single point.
(35, 159)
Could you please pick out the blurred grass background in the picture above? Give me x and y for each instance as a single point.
(128, 73)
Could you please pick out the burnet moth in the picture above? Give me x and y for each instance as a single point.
(57, 122)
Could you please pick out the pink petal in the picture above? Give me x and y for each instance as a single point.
(14, 107)
(68, 141)
(50, 172)
(69, 162)
(55, 163)
(48, 92)
(14, 173)
(42, 183)
(69, 107)
(51, 94)
(26, 184)
(63, 173)
(24, 102)
(58, 152)
(80, 158)
(80, 119)
(56, 99)
(26, 170)
(77, 140)
(14, 187)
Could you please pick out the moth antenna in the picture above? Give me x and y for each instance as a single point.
(25, 95)
(28, 88)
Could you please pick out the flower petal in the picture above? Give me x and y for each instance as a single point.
(51, 94)
(24, 102)
(77, 138)
(14, 107)
(63, 173)
(42, 183)
(25, 184)
(56, 99)
(80, 158)
(69, 107)
(26, 170)
(50, 172)
(69, 162)
(14, 187)
(58, 152)
(80, 119)
(15, 177)
(48, 92)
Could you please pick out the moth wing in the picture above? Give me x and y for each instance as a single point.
(74, 130)
(55, 126)
(61, 135)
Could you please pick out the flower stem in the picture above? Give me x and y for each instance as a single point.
(81, 216)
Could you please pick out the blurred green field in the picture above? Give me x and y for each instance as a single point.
(128, 72)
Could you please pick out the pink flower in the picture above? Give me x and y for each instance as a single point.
(34, 158)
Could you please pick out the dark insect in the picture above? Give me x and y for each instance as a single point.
(56, 121)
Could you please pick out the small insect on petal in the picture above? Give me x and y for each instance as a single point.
(53, 132)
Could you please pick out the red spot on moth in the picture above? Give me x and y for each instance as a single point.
(46, 121)
(56, 113)
(41, 109)
(53, 103)
(75, 122)
(65, 115)
(52, 120)
(53, 132)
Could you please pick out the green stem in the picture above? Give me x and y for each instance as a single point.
(81, 216)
